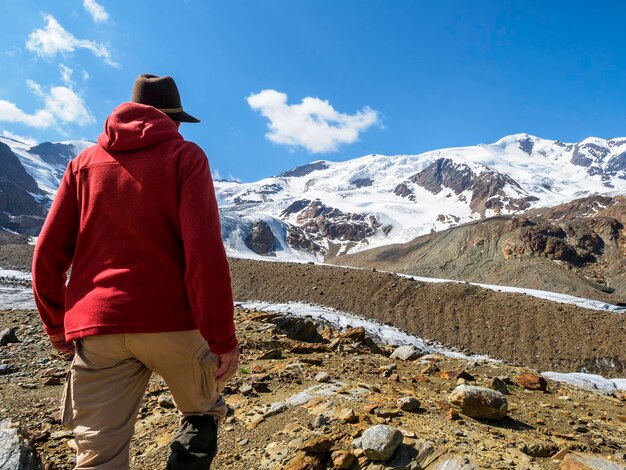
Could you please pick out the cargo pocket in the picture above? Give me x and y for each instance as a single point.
(210, 363)
(67, 408)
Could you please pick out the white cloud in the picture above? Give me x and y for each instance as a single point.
(61, 105)
(66, 74)
(97, 11)
(85, 75)
(54, 39)
(313, 124)
(25, 140)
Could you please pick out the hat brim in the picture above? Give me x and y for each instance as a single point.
(183, 117)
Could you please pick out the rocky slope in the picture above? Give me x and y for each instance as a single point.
(577, 248)
(521, 329)
(319, 404)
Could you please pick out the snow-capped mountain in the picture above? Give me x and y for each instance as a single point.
(29, 177)
(324, 208)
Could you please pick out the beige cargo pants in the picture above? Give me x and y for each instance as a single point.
(108, 379)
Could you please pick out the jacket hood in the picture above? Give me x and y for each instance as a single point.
(133, 126)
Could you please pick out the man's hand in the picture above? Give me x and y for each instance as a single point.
(229, 362)
(59, 344)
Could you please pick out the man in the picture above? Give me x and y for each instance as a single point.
(136, 219)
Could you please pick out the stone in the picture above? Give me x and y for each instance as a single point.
(453, 462)
(166, 401)
(347, 415)
(579, 461)
(5, 369)
(322, 377)
(540, 449)
(498, 385)
(479, 402)
(52, 381)
(318, 445)
(456, 375)
(274, 409)
(8, 336)
(246, 389)
(271, 354)
(531, 382)
(342, 459)
(299, 329)
(15, 451)
(320, 421)
(305, 462)
(407, 353)
(405, 457)
(380, 441)
(408, 404)
(356, 335)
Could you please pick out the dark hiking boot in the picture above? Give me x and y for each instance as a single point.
(195, 444)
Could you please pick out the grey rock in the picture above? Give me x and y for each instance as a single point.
(380, 442)
(407, 353)
(274, 409)
(15, 452)
(8, 336)
(322, 377)
(246, 389)
(166, 401)
(479, 402)
(453, 462)
(408, 404)
(498, 385)
(320, 421)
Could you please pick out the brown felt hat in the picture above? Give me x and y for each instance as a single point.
(161, 93)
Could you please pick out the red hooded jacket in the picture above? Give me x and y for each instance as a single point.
(136, 218)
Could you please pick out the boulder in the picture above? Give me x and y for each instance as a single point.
(408, 404)
(479, 402)
(15, 452)
(407, 353)
(499, 385)
(380, 442)
(531, 382)
(8, 336)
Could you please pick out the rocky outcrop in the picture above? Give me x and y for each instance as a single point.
(261, 239)
(489, 189)
(319, 222)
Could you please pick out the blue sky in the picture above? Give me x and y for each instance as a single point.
(383, 76)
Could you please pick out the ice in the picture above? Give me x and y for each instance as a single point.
(592, 382)
(383, 334)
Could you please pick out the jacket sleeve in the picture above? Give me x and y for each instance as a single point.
(207, 274)
(53, 255)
